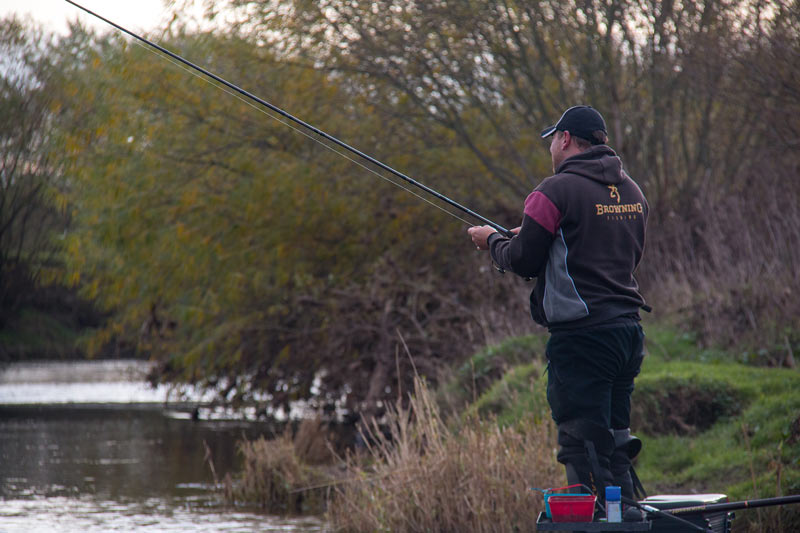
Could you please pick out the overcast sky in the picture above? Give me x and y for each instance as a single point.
(54, 14)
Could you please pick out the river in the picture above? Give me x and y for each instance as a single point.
(89, 447)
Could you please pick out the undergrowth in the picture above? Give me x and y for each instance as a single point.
(464, 458)
(37, 335)
(711, 421)
(426, 474)
(286, 474)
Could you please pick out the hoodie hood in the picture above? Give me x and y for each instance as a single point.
(599, 163)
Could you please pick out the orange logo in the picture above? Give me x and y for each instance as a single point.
(614, 192)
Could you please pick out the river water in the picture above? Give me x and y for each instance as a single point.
(89, 447)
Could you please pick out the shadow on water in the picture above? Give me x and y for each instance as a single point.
(118, 467)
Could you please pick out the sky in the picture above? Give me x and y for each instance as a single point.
(54, 15)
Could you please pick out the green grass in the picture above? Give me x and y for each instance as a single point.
(486, 369)
(748, 447)
(741, 452)
(520, 393)
(740, 434)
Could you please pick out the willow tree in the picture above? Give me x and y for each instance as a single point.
(238, 253)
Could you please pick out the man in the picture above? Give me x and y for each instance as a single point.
(582, 236)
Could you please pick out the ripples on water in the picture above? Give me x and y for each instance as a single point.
(89, 515)
(89, 447)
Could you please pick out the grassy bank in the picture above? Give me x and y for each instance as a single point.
(714, 424)
(465, 456)
(709, 421)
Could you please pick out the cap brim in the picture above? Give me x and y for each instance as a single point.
(548, 131)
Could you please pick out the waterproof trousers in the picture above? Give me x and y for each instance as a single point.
(590, 381)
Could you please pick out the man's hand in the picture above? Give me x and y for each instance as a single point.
(480, 234)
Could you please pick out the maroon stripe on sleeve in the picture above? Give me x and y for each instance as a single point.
(543, 211)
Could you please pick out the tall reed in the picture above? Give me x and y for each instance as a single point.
(424, 474)
(726, 265)
(283, 474)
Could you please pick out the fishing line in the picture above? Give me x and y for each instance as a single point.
(306, 125)
(301, 132)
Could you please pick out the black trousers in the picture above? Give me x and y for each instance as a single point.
(590, 373)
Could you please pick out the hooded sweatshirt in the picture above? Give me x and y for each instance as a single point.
(582, 237)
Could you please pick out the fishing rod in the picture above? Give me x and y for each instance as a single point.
(301, 123)
(733, 506)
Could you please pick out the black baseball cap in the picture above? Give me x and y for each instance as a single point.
(581, 121)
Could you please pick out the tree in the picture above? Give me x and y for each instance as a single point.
(673, 80)
(236, 253)
(244, 257)
(29, 171)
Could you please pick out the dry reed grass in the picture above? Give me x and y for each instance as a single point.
(727, 264)
(278, 474)
(424, 475)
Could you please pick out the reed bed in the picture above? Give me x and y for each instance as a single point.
(726, 266)
(285, 474)
(420, 473)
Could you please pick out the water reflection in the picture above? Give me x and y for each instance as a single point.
(113, 466)
(89, 515)
(110, 452)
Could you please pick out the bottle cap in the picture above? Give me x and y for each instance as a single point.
(613, 493)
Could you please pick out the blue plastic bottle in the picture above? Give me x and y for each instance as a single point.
(613, 504)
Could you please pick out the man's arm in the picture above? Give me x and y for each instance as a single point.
(526, 253)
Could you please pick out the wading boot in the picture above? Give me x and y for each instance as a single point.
(626, 448)
(585, 450)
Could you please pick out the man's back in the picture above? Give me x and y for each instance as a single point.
(598, 241)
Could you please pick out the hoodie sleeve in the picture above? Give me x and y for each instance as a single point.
(526, 253)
